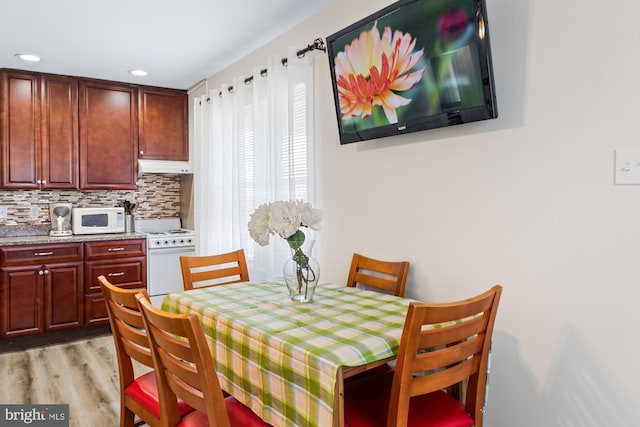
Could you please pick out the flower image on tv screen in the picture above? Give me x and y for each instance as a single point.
(414, 65)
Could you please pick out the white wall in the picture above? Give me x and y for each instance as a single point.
(526, 200)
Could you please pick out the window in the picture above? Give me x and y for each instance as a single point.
(260, 143)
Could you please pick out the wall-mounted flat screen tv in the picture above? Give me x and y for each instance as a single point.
(414, 65)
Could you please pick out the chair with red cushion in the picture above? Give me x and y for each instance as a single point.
(138, 395)
(377, 275)
(387, 276)
(431, 363)
(185, 368)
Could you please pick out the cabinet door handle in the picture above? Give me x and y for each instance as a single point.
(46, 272)
(116, 249)
(43, 253)
(40, 273)
(116, 274)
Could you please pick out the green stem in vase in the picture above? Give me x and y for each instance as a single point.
(302, 261)
(302, 265)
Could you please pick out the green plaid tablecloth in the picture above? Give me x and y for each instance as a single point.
(281, 358)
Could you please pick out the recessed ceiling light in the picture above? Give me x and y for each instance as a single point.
(28, 57)
(138, 72)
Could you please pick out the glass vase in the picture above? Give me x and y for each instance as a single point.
(301, 273)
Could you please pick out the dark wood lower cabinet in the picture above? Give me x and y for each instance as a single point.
(63, 297)
(41, 298)
(53, 287)
(95, 309)
(129, 273)
(22, 296)
(123, 263)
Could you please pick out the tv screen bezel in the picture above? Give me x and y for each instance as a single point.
(445, 119)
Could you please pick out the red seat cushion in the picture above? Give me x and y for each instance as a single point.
(239, 416)
(144, 390)
(366, 403)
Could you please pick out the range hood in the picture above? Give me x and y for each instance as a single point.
(163, 166)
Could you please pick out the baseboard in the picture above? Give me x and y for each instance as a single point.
(8, 345)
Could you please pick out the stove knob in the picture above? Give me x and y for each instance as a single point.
(174, 242)
(166, 242)
(182, 241)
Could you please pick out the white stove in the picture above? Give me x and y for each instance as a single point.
(171, 239)
(167, 241)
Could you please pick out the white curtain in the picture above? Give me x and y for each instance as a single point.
(253, 145)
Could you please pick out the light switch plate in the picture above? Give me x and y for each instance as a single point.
(34, 211)
(627, 166)
(4, 212)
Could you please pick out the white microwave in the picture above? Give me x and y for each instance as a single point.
(97, 220)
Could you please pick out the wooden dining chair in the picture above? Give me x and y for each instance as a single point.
(388, 276)
(185, 368)
(429, 361)
(138, 395)
(214, 270)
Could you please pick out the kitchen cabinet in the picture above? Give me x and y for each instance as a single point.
(61, 132)
(39, 124)
(163, 122)
(122, 262)
(59, 127)
(40, 288)
(108, 117)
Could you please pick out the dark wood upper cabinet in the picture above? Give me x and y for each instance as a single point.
(59, 110)
(20, 121)
(39, 122)
(108, 135)
(163, 119)
(61, 132)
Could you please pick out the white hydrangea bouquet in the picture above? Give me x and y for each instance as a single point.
(286, 218)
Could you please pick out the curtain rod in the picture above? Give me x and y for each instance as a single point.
(318, 44)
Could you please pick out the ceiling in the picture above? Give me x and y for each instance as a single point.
(178, 43)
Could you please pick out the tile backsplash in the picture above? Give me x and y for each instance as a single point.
(156, 196)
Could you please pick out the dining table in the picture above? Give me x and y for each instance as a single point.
(287, 360)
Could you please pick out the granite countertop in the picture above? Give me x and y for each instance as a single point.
(39, 235)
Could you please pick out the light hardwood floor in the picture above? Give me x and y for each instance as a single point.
(83, 374)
